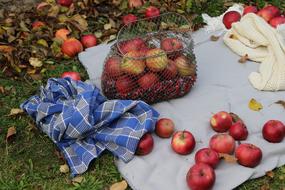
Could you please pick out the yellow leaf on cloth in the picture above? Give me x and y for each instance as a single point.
(254, 105)
(228, 158)
(262, 43)
(119, 186)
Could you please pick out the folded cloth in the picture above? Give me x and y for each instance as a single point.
(82, 123)
(253, 37)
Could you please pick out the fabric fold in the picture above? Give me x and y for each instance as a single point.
(83, 123)
(255, 38)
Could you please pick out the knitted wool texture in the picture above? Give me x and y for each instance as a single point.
(253, 37)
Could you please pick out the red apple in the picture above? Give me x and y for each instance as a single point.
(135, 44)
(221, 121)
(249, 9)
(222, 143)
(183, 142)
(129, 18)
(238, 131)
(124, 85)
(230, 18)
(170, 71)
(151, 11)
(71, 47)
(156, 59)
(112, 66)
(62, 34)
(277, 21)
(171, 44)
(273, 131)
(164, 128)
(248, 155)
(135, 3)
(207, 156)
(145, 145)
(275, 11)
(65, 3)
(184, 66)
(201, 176)
(38, 25)
(269, 12)
(71, 74)
(148, 80)
(133, 63)
(89, 40)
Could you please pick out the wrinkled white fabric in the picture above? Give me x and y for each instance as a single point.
(254, 37)
(221, 85)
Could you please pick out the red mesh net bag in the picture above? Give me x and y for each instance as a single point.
(152, 60)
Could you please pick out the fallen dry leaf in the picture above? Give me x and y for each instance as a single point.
(270, 174)
(281, 102)
(243, 59)
(2, 90)
(265, 187)
(64, 168)
(228, 158)
(35, 62)
(6, 49)
(15, 111)
(119, 186)
(214, 38)
(77, 179)
(254, 105)
(11, 133)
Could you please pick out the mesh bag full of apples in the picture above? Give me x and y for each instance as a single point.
(152, 60)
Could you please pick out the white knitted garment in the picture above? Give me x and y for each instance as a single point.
(254, 37)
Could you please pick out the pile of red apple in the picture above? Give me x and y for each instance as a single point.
(269, 13)
(230, 128)
(139, 69)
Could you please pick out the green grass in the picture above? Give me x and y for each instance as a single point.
(29, 160)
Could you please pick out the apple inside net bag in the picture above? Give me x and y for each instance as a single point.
(152, 60)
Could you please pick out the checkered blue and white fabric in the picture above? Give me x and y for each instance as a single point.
(83, 123)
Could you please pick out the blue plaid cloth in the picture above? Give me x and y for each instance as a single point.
(82, 123)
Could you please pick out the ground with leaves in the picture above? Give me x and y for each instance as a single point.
(29, 160)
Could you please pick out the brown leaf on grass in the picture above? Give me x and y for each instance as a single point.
(228, 158)
(10, 133)
(36, 76)
(2, 90)
(15, 111)
(77, 179)
(6, 49)
(59, 155)
(281, 102)
(270, 174)
(119, 186)
(64, 168)
(214, 38)
(78, 22)
(243, 59)
(254, 105)
(265, 187)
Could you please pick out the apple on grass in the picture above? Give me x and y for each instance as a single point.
(248, 155)
(207, 156)
(238, 131)
(200, 176)
(249, 9)
(273, 131)
(171, 44)
(152, 11)
(71, 74)
(222, 143)
(277, 21)
(183, 142)
(133, 63)
(148, 80)
(156, 59)
(112, 67)
(89, 40)
(221, 121)
(38, 25)
(71, 47)
(145, 145)
(164, 128)
(184, 67)
(129, 18)
(230, 18)
(65, 3)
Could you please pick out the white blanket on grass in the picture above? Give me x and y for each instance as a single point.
(222, 84)
(254, 37)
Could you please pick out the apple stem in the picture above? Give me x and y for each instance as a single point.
(183, 135)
